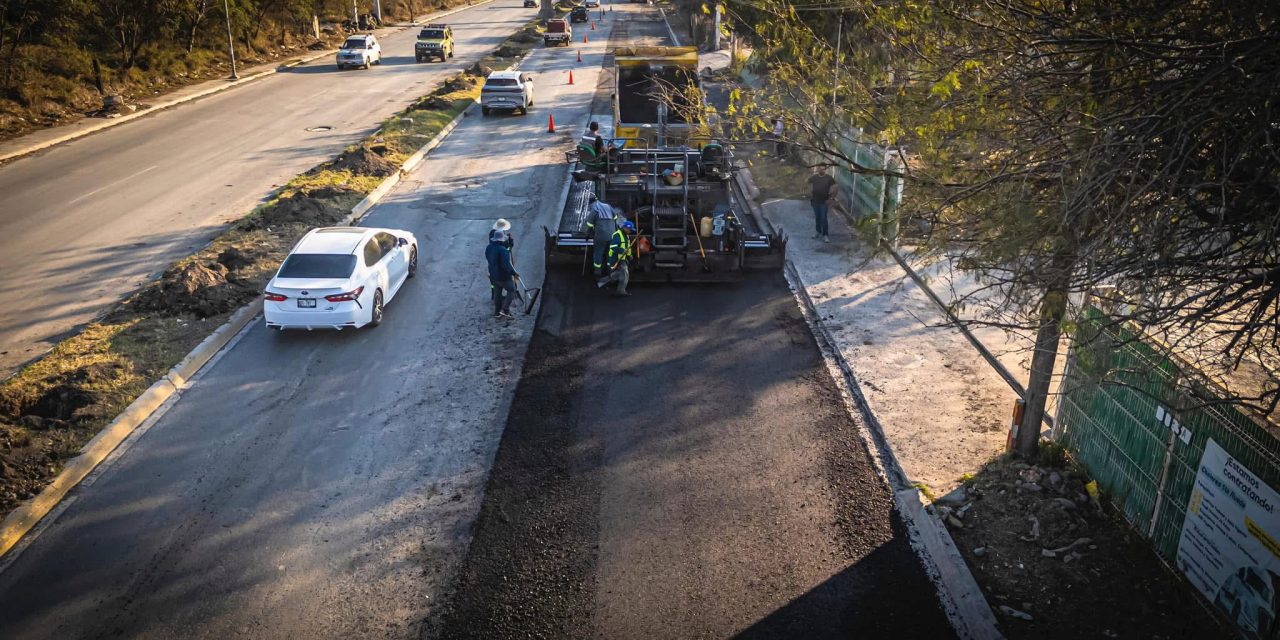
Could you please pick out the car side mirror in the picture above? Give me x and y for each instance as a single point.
(402, 241)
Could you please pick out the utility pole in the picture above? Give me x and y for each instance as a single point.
(355, 16)
(377, 10)
(231, 44)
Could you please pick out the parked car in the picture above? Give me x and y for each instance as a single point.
(579, 14)
(530, 3)
(360, 51)
(340, 278)
(506, 91)
(434, 41)
(591, 4)
(558, 32)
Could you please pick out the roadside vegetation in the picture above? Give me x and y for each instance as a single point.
(52, 407)
(59, 59)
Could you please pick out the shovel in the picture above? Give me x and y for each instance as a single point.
(530, 296)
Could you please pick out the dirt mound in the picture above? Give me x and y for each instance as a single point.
(64, 399)
(456, 82)
(314, 209)
(234, 258)
(1050, 557)
(507, 51)
(478, 70)
(526, 36)
(318, 45)
(433, 102)
(197, 288)
(364, 161)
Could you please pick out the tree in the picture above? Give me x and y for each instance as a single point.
(1061, 147)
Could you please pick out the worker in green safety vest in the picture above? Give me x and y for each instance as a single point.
(619, 253)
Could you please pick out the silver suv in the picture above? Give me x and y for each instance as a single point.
(360, 51)
(507, 91)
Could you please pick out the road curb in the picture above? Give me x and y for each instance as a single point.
(26, 516)
(961, 598)
(114, 122)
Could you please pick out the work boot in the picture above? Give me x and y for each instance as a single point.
(601, 282)
(826, 239)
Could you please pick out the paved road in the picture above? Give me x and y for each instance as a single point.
(323, 485)
(88, 221)
(678, 464)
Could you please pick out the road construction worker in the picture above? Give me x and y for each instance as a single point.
(602, 221)
(592, 138)
(619, 254)
(502, 273)
(502, 230)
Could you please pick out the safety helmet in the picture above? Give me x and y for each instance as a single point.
(628, 225)
(502, 225)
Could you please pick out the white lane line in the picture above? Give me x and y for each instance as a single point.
(108, 186)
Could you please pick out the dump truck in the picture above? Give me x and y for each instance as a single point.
(655, 91)
(694, 219)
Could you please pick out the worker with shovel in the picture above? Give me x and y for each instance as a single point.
(619, 253)
(502, 273)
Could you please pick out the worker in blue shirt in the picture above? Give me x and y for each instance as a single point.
(502, 273)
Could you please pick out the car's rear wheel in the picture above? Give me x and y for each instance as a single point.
(413, 261)
(376, 318)
(484, 111)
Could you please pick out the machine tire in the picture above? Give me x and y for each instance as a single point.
(484, 111)
(413, 261)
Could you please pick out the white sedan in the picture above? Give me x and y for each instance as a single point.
(339, 278)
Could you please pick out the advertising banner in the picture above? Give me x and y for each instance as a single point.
(1229, 548)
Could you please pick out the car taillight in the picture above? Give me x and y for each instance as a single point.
(274, 297)
(349, 296)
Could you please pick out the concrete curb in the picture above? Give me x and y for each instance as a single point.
(26, 516)
(958, 591)
(22, 519)
(169, 104)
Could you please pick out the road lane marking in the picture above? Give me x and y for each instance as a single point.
(108, 186)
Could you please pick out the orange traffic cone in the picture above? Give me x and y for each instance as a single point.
(593, 25)
(579, 55)
(571, 76)
(551, 123)
(584, 38)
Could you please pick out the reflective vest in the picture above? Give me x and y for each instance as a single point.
(618, 248)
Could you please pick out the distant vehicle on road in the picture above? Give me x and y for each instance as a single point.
(558, 32)
(579, 14)
(360, 51)
(506, 91)
(591, 4)
(530, 3)
(340, 278)
(434, 41)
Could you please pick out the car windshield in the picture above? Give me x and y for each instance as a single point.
(556, 26)
(500, 82)
(353, 43)
(318, 265)
(579, 9)
(432, 34)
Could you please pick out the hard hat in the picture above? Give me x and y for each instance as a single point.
(628, 225)
(501, 225)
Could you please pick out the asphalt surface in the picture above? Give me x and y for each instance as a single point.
(88, 221)
(678, 464)
(323, 485)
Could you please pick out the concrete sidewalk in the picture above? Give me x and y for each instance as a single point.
(944, 409)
